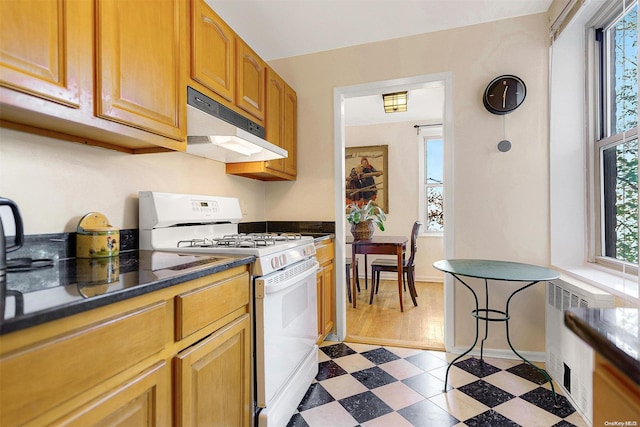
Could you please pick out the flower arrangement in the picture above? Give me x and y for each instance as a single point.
(366, 215)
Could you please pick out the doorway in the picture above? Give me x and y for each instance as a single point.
(342, 97)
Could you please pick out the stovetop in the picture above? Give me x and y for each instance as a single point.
(242, 240)
(271, 255)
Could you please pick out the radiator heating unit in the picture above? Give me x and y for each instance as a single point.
(569, 360)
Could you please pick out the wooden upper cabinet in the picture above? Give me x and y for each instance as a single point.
(281, 123)
(45, 48)
(281, 130)
(290, 134)
(212, 51)
(275, 109)
(250, 81)
(140, 74)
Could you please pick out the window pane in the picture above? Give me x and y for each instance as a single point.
(623, 65)
(620, 196)
(434, 161)
(435, 209)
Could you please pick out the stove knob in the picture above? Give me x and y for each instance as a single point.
(275, 262)
(283, 259)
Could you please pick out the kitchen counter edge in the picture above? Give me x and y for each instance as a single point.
(66, 310)
(600, 335)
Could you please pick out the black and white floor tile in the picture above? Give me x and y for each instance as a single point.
(374, 386)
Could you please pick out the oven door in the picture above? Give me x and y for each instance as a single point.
(286, 332)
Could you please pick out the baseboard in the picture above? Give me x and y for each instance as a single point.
(532, 356)
(393, 276)
(391, 343)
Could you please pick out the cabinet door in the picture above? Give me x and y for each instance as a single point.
(250, 81)
(45, 48)
(274, 115)
(290, 130)
(140, 62)
(144, 400)
(326, 300)
(40, 377)
(213, 51)
(213, 379)
(615, 395)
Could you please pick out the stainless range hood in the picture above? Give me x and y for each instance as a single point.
(219, 133)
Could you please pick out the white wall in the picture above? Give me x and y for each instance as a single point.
(568, 155)
(56, 182)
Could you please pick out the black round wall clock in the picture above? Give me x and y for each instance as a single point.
(504, 94)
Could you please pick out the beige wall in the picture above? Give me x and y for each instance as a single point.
(56, 182)
(501, 199)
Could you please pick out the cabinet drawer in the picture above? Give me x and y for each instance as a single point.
(35, 379)
(324, 251)
(203, 306)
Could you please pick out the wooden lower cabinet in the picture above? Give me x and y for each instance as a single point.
(326, 301)
(615, 396)
(144, 361)
(144, 400)
(326, 288)
(213, 379)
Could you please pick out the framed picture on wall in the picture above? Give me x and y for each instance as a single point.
(366, 169)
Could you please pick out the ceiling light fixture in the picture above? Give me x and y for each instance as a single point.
(395, 102)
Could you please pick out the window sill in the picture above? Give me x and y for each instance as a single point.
(618, 284)
(432, 234)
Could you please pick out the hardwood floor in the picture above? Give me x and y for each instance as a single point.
(382, 323)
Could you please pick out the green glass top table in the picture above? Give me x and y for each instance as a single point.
(495, 270)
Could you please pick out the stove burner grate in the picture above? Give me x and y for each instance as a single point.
(254, 240)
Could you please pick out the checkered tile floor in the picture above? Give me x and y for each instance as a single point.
(373, 386)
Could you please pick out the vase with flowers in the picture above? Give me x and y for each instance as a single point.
(364, 218)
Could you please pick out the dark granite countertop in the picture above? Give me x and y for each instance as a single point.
(612, 332)
(307, 228)
(72, 286)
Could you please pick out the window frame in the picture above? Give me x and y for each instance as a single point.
(598, 138)
(435, 132)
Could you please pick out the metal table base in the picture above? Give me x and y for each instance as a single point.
(493, 315)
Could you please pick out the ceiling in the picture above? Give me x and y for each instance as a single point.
(278, 29)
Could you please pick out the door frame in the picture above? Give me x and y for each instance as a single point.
(339, 95)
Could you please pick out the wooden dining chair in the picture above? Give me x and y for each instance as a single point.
(388, 264)
(349, 263)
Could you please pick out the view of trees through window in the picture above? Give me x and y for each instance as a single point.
(434, 184)
(618, 146)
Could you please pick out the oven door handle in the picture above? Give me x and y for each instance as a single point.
(277, 287)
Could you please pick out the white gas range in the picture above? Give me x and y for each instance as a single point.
(284, 288)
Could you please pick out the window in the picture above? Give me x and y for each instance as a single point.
(616, 136)
(432, 197)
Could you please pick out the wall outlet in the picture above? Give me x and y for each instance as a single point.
(243, 207)
(128, 240)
